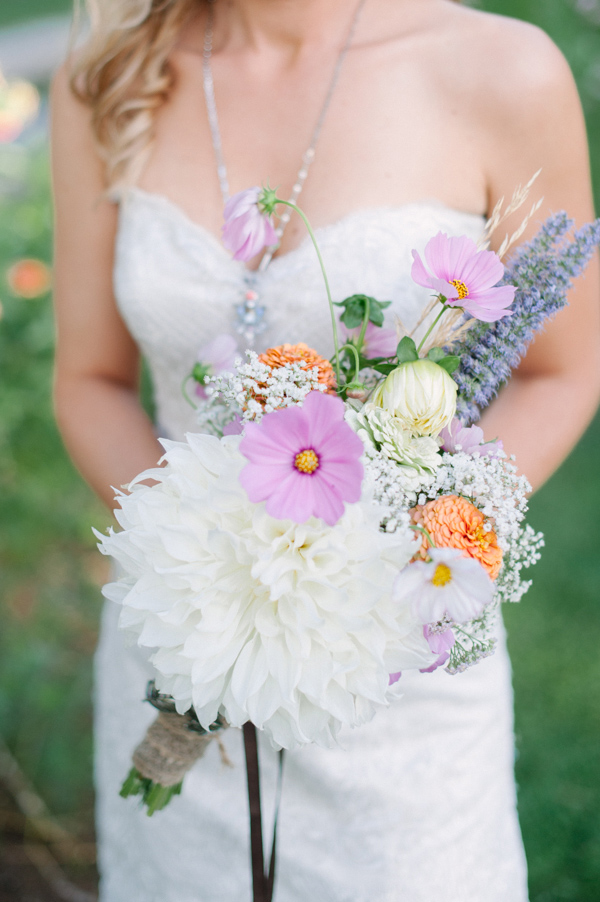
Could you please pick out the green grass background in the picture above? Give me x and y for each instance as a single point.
(50, 571)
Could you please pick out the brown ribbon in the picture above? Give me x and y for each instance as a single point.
(262, 880)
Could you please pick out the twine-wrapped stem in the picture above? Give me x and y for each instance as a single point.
(172, 744)
(169, 749)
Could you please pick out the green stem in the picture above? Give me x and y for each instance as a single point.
(288, 203)
(425, 532)
(350, 347)
(185, 394)
(434, 323)
(365, 323)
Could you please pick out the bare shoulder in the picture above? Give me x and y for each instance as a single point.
(75, 159)
(63, 101)
(509, 65)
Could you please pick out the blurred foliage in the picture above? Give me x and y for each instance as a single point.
(554, 634)
(575, 27)
(15, 11)
(50, 571)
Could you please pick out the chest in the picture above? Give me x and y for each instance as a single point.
(390, 136)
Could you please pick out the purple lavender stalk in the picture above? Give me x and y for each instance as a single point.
(542, 271)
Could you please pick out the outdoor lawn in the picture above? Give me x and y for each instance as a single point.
(50, 571)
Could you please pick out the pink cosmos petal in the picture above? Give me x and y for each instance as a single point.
(328, 501)
(469, 438)
(447, 256)
(394, 677)
(481, 272)
(235, 427)
(440, 644)
(345, 477)
(323, 414)
(220, 353)
(378, 342)
(278, 439)
(493, 306)
(246, 230)
(293, 498)
(337, 444)
(257, 479)
(241, 202)
(418, 272)
(440, 286)
(271, 446)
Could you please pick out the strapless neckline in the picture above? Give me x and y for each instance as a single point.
(175, 211)
(178, 288)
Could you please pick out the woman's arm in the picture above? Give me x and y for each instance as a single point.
(537, 122)
(99, 415)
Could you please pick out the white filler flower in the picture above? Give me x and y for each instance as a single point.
(449, 584)
(289, 625)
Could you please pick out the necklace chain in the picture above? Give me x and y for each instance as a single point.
(309, 154)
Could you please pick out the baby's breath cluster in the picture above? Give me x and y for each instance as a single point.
(493, 485)
(255, 388)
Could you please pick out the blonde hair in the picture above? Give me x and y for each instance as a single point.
(122, 73)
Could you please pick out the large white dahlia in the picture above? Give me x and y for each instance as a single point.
(291, 626)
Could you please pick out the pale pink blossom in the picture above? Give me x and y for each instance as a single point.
(378, 342)
(440, 644)
(465, 276)
(303, 461)
(469, 439)
(448, 585)
(247, 228)
(217, 356)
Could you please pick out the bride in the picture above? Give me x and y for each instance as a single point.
(395, 119)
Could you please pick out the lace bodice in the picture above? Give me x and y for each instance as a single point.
(177, 286)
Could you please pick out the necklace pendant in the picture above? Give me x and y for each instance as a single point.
(250, 316)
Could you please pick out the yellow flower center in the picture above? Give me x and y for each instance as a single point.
(442, 575)
(463, 291)
(306, 461)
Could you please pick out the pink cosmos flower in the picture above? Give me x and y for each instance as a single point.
(465, 276)
(217, 356)
(440, 644)
(379, 342)
(470, 440)
(247, 229)
(303, 461)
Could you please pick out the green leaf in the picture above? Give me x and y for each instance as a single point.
(449, 363)
(436, 354)
(406, 350)
(200, 373)
(355, 307)
(385, 368)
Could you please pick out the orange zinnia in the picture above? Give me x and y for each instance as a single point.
(453, 522)
(300, 353)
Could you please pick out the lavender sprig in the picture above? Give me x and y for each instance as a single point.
(542, 271)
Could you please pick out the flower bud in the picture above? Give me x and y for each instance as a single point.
(419, 393)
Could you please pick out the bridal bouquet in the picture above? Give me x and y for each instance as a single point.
(334, 524)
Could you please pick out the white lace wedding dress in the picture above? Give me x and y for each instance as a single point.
(416, 806)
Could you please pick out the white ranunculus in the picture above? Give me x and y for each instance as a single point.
(417, 458)
(420, 394)
(289, 625)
